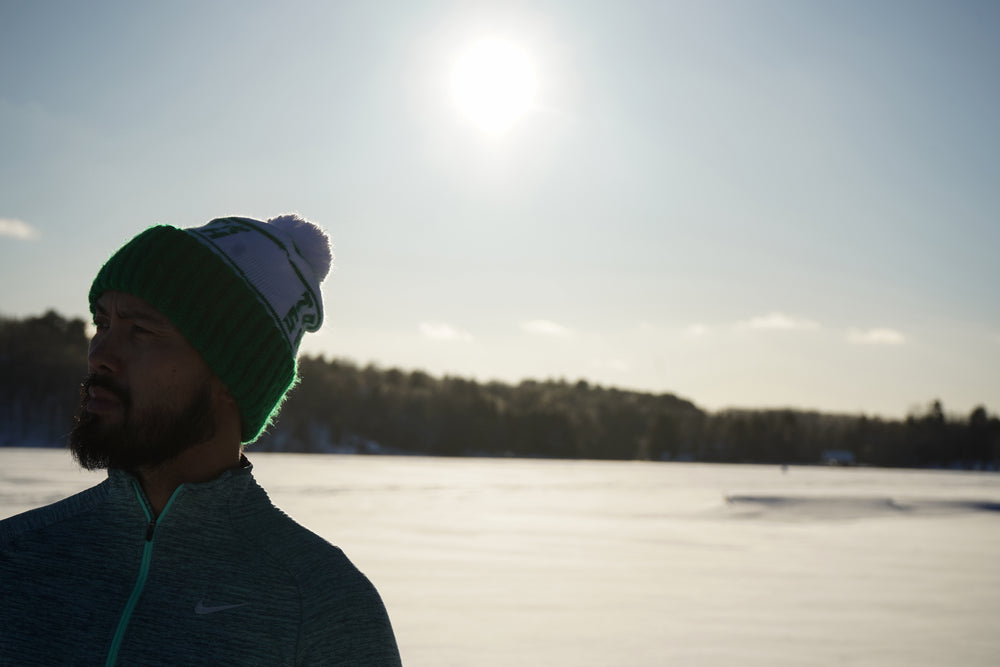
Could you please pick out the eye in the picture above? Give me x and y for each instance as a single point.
(101, 323)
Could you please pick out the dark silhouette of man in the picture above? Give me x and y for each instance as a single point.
(179, 557)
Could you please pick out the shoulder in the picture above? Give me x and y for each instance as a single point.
(320, 567)
(51, 516)
(344, 620)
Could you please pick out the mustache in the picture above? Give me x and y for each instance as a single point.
(107, 384)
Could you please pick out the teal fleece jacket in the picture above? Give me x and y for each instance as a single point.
(220, 577)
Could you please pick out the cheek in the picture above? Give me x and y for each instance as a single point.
(182, 380)
(155, 383)
(170, 375)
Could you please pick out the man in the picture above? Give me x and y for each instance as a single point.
(179, 558)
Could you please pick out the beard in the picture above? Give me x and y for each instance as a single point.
(141, 439)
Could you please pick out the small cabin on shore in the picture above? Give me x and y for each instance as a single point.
(837, 457)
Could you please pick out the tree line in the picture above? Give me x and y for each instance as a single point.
(340, 406)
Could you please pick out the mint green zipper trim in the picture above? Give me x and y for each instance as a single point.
(140, 582)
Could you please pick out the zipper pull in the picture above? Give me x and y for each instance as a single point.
(149, 530)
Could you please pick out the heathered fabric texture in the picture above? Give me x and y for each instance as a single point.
(269, 592)
(213, 307)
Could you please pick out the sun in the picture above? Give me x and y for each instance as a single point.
(494, 84)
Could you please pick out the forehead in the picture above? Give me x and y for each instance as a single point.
(129, 306)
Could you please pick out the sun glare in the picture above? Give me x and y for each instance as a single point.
(493, 84)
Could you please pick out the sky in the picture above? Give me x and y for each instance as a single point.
(746, 204)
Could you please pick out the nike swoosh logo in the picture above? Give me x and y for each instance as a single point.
(200, 608)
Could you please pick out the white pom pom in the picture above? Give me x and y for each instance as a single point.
(312, 242)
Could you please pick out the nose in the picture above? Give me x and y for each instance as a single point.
(104, 354)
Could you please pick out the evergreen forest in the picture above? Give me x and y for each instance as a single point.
(341, 407)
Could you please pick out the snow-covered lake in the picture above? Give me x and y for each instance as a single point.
(521, 562)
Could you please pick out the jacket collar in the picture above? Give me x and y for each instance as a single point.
(231, 491)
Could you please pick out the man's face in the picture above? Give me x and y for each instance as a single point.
(149, 394)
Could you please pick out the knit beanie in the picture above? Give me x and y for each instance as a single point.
(243, 292)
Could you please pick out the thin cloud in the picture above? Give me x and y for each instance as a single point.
(778, 322)
(616, 365)
(442, 331)
(546, 328)
(878, 336)
(697, 331)
(18, 229)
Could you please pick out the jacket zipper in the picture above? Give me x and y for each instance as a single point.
(140, 582)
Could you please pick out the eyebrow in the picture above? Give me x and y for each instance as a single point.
(138, 314)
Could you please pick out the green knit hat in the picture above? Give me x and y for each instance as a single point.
(243, 292)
